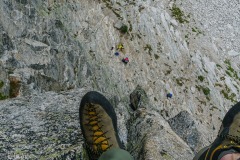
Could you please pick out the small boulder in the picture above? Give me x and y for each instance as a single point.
(138, 98)
(184, 126)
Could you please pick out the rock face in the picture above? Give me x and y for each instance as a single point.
(41, 127)
(53, 52)
(184, 126)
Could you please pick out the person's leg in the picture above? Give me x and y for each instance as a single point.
(228, 139)
(116, 154)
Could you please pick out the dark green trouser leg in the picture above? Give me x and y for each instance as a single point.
(116, 154)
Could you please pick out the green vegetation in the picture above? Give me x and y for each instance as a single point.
(118, 15)
(141, 8)
(205, 90)
(132, 3)
(218, 84)
(230, 71)
(227, 61)
(106, 1)
(202, 102)
(43, 12)
(109, 5)
(155, 99)
(178, 14)
(168, 72)
(187, 38)
(59, 24)
(205, 70)
(1, 84)
(213, 107)
(218, 65)
(56, 8)
(236, 87)
(196, 30)
(199, 88)
(149, 47)
(229, 68)
(118, 3)
(130, 28)
(124, 29)
(179, 81)
(165, 155)
(227, 95)
(222, 78)
(200, 78)
(156, 56)
(2, 96)
(139, 36)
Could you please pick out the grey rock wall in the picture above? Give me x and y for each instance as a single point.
(53, 52)
(41, 127)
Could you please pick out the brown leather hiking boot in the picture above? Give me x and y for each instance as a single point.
(228, 140)
(98, 123)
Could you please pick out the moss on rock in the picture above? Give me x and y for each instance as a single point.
(124, 29)
(179, 14)
(200, 78)
(2, 96)
(1, 84)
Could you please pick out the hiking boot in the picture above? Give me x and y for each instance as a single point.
(228, 140)
(98, 122)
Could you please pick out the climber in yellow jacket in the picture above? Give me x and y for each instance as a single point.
(120, 46)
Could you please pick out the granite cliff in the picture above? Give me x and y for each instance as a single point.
(54, 51)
